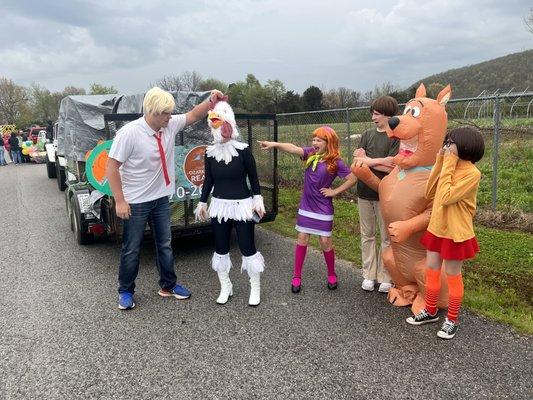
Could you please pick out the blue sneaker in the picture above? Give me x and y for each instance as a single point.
(179, 292)
(125, 301)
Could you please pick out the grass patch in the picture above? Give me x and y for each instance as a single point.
(498, 283)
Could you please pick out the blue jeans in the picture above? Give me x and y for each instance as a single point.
(157, 214)
(16, 156)
(2, 157)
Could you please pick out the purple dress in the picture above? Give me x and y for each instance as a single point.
(315, 215)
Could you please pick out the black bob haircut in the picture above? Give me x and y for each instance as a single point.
(469, 142)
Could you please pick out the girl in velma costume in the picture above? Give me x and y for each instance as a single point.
(450, 239)
(315, 215)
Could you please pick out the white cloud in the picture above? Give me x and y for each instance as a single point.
(347, 43)
(423, 38)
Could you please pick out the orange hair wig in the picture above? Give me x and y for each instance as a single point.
(332, 153)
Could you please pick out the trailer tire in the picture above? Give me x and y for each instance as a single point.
(50, 168)
(61, 177)
(81, 237)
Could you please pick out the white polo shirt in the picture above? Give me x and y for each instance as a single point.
(141, 172)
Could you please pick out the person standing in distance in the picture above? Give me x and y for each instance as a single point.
(140, 171)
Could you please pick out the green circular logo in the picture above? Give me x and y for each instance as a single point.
(95, 167)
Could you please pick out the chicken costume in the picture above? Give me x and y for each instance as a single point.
(405, 209)
(228, 165)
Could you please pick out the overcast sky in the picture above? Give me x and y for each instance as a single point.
(355, 44)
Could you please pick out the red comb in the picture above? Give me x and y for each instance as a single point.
(213, 103)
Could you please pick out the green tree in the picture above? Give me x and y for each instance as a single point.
(25, 116)
(13, 102)
(291, 102)
(43, 103)
(434, 89)
(236, 92)
(96, 88)
(402, 96)
(252, 81)
(212, 83)
(255, 96)
(274, 92)
(256, 99)
(312, 98)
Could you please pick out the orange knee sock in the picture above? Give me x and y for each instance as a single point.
(432, 289)
(456, 291)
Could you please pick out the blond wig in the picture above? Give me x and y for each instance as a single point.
(157, 101)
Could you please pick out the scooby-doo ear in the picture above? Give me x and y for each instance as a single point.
(421, 91)
(444, 95)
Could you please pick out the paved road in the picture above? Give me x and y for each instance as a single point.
(62, 337)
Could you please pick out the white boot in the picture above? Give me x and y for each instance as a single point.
(255, 289)
(221, 263)
(254, 265)
(226, 287)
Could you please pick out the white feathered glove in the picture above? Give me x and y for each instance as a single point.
(259, 205)
(200, 213)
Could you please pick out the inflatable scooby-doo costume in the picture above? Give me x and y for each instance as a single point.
(406, 211)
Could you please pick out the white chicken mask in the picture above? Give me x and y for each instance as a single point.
(221, 120)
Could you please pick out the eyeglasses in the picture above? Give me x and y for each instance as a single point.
(448, 142)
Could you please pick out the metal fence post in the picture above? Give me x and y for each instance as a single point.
(348, 132)
(495, 149)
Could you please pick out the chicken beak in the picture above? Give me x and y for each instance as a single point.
(215, 120)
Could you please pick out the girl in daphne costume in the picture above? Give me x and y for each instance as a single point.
(228, 163)
(315, 215)
(453, 185)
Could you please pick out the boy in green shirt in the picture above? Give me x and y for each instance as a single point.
(376, 150)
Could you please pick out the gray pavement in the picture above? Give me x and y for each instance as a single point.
(62, 336)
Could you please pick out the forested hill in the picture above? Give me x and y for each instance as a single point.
(504, 73)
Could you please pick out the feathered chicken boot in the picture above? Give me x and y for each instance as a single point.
(222, 265)
(254, 264)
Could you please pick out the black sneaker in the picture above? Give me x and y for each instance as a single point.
(448, 329)
(423, 317)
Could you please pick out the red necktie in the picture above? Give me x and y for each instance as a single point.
(163, 157)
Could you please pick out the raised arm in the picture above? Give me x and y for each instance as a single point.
(454, 192)
(286, 147)
(200, 111)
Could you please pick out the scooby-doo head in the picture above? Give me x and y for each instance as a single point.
(421, 128)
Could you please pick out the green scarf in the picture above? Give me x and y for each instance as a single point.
(313, 160)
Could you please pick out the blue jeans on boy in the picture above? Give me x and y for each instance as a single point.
(157, 214)
(16, 156)
(2, 156)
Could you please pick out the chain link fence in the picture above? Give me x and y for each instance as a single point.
(506, 122)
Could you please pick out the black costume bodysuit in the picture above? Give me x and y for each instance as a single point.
(232, 202)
